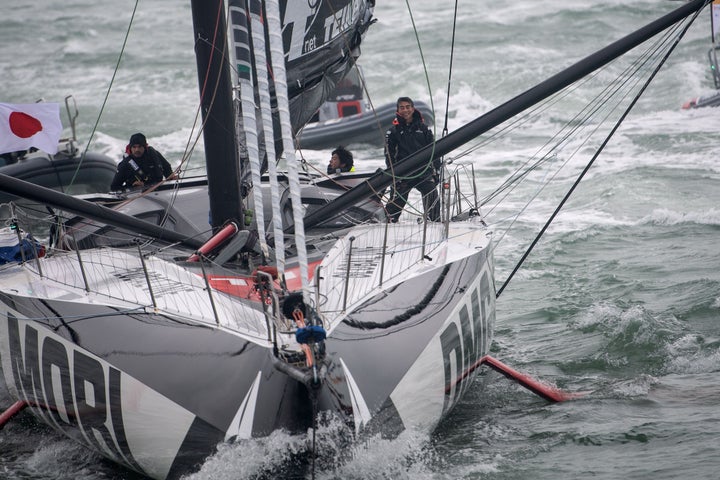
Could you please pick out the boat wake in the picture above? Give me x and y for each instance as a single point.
(282, 455)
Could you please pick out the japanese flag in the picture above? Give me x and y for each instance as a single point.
(30, 125)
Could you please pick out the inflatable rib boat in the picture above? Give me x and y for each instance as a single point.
(346, 118)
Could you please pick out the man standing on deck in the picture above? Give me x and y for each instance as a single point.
(407, 135)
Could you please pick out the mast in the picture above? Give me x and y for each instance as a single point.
(418, 161)
(221, 155)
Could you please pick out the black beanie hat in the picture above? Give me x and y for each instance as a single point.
(138, 139)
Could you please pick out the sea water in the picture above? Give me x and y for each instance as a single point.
(619, 300)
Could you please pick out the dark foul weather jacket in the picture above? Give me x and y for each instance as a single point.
(403, 139)
(151, 168)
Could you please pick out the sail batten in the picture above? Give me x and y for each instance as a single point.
(277, 61)
(258, 37)
(248, 134)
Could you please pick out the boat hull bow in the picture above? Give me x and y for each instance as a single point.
(157, 390)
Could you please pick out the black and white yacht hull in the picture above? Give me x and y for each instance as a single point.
(134, 362)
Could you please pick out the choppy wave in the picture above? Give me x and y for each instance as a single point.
(664, 216)
(619, 300)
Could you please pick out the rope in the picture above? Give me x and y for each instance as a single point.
(579, 122)
(188, 148)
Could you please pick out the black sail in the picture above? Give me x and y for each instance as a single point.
(320, 43)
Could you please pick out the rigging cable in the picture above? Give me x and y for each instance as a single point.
(432, 103)
(107, 93)
(188, 151)
(597, 153)
(580, 122)
(535, 112)
(452, 54)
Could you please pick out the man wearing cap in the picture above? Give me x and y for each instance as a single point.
(142, 166)
(407, 135)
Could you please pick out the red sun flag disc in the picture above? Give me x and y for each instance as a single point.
(24, 125)
(30, 125)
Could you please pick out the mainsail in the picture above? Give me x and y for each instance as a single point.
(320, 42)
(317, 48)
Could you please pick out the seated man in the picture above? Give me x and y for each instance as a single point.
(142, 166)
(340, 161)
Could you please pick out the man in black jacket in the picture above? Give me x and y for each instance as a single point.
(407, 135)
(142, 166)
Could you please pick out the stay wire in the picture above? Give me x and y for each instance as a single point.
(626, 82)
(542, 107)
(188, 150)
(581, 119)
(107, 93)
(432, 103)
(203, 91)
(452, 54)
(598, 152)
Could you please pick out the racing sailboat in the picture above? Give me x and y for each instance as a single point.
(152, 338)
